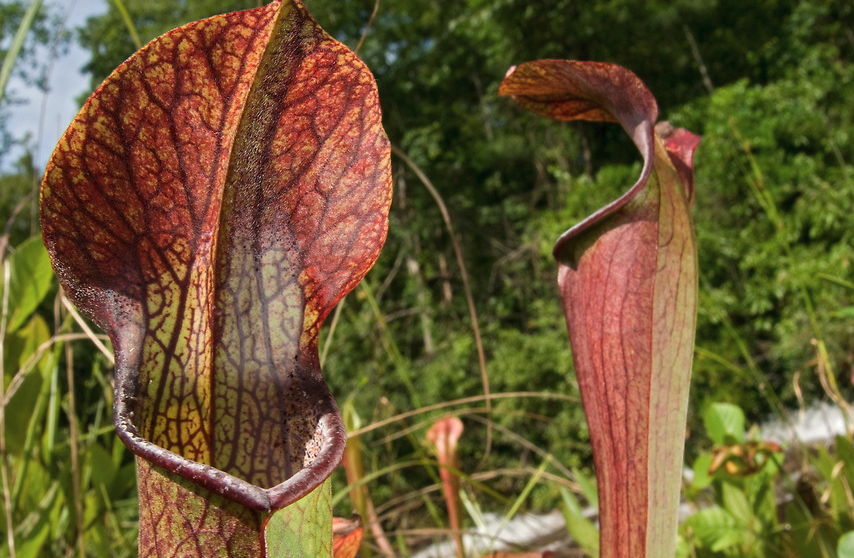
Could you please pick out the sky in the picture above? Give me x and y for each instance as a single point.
(65, 84)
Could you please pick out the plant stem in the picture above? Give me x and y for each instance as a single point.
(4, 471)
(458, 253)
(120, 6)
(17, 44)
(75, 458)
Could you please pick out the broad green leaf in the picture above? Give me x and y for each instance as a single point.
(581, 529)
(41, 494)
(26, 380)
(101, 464)
(213, 200)
(845, 546)
(628, 278)
(735, 501)
(32, 545)
(715, 529)
(724, 423)
(30, 278)
(701, 479)
(588, 487)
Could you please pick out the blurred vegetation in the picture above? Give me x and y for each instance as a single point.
(767, 84)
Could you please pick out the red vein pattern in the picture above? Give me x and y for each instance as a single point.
(208, 207)
(628, 278)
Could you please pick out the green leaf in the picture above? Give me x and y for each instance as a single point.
(303, 528)
(845, 312)
(581, 529)
(845, 453)
(30, 374)
(30, 277)
(715, 529)
(735, 501)
(845, 546)
(41, 494)
(701, 472)
(17, 43)
(725, 423)
(588, 487)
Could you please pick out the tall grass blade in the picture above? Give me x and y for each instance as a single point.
(4, 463)
(17, 45)
(120, 6)
(517, 504)
(458, 253)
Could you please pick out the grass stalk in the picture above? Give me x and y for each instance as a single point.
(462, 401)
(128, 21)
(368, 26)
(17, 44)
(75, 457)
(517, 504)
(360, 497)
(4, 455)
(30, 364)
(327, 340)
(94, 337)
(836, 281)
(533, 448)
(461, 412)
(391, 348)
(458, 253)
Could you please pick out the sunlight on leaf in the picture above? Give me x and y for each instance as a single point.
(29, 281)
(210, 204)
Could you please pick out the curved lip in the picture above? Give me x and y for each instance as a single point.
(605, 92)
(644, 138)
(226, 485)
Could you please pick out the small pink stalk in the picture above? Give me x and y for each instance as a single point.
(359, 496)
(445, 434)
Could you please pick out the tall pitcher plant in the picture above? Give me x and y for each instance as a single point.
(628, 279)
(212, 201)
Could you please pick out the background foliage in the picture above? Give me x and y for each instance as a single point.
(767, 84)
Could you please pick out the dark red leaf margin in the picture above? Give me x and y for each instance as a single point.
(628, 278)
